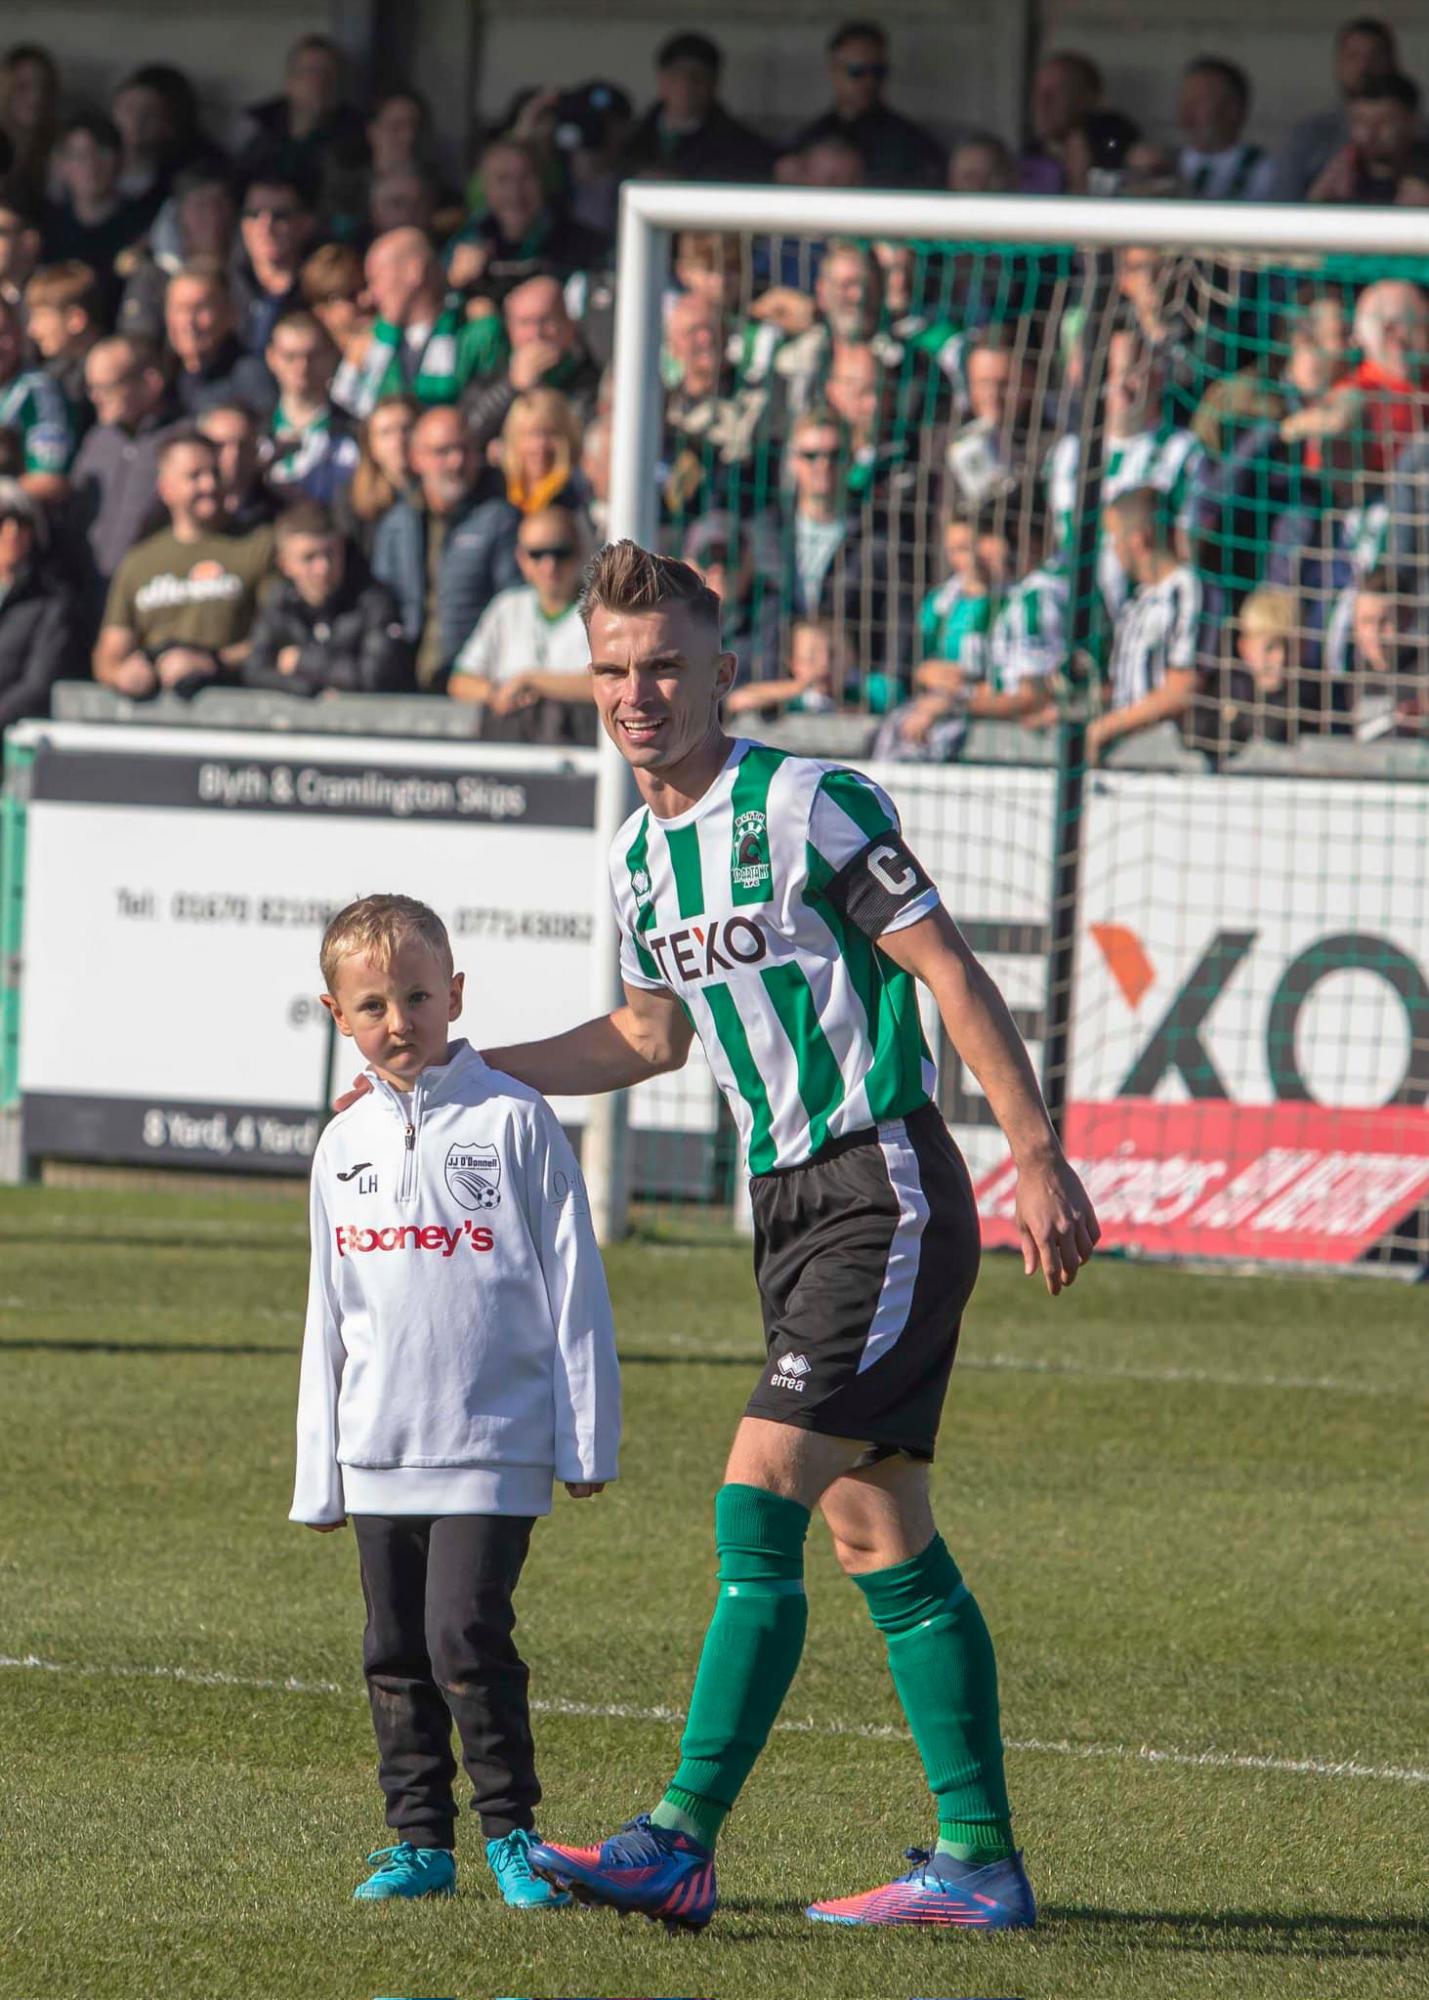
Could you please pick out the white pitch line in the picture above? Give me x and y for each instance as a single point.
(1208, 1377)
(618, 1711)
(1019, 1364)
(1014, 1364)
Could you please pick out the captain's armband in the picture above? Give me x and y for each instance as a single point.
(883, 882)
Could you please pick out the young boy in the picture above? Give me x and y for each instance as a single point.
(817, 672)
(1153, 673)
(958, 613)
(64, 314)
(327, 626)
(458, 1357)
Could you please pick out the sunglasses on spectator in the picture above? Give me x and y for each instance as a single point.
(813, 452)
(557, 552)
(877, 70)
(271, 210)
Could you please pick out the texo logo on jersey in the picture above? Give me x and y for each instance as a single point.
(700, 950)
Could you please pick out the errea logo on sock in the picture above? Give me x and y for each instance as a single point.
(790, 1371)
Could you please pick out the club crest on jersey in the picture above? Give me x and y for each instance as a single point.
(474, 1175)
(751, 851)
(640, 884)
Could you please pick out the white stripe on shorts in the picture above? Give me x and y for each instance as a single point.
(895, 1300)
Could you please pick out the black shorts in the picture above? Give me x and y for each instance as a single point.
(865, 1259)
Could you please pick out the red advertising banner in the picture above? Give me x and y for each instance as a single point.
(1280, 1183)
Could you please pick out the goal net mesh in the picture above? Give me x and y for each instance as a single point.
(1113, 567)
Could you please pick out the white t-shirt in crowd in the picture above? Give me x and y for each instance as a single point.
(513, 636)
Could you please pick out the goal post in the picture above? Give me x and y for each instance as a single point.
(1088, 232)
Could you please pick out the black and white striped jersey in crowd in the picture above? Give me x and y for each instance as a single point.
(1156, 633)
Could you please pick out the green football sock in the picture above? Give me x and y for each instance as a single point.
(941, 1659)
(751, 1651)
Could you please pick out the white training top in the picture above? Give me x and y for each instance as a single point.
(459, 1352)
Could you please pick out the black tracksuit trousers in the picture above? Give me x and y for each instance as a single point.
(438, 1650)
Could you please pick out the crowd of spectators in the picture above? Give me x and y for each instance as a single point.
(300, 414)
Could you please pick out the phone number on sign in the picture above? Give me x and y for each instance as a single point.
(545, 926)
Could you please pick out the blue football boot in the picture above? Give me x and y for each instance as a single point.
(665, 1875)
(941, 1893)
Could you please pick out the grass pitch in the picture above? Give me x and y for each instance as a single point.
(1189, 1506)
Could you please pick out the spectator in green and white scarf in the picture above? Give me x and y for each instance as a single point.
(422, 343)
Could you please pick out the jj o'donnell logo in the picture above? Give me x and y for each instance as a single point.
(474, 1175)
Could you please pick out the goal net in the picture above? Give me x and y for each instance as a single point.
(1099, 532)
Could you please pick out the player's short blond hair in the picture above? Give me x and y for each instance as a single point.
(377, 927)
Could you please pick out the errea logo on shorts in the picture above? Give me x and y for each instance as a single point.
(354, 1239)
(790, 1371)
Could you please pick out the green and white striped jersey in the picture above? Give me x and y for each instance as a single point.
(747, 909)
(1166, 459)
(31, 404)
(1029, 632)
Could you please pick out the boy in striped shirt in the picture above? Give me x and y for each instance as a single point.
(1153, 654)
(769, 904)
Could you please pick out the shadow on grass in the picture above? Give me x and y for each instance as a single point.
(143, 1242)
(1260, 1932)
(139, 1347)
(752, 1360)
(1251, 1933)
(36, 1345)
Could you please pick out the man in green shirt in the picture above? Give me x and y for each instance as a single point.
(182, 602)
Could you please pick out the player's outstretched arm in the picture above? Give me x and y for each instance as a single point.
(647, 1037)
(1058, 1225)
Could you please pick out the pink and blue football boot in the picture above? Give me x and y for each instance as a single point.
(663, 1875)
(940, 1893)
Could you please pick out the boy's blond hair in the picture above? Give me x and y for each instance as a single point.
(65, 285)
(1269, 614)
(377, 926)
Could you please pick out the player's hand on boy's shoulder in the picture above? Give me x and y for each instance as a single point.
(326, 1527)
(1055, 1219)
(583, 1489)
(358, 1088)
